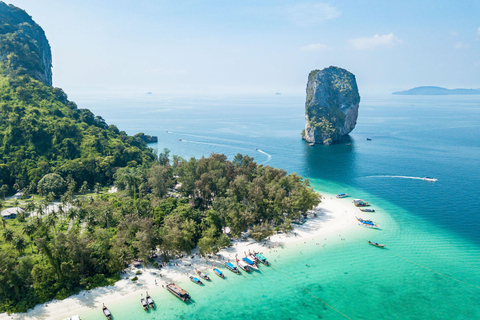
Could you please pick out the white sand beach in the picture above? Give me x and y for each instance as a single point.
(333, 216)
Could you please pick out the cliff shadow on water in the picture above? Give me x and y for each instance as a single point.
(334, 162)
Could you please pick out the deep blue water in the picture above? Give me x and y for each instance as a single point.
(412, 137)
(430, 267)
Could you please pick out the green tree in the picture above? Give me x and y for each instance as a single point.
(19, 244)
(53, 183)
(29, 229)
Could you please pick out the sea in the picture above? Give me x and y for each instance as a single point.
(430, 267)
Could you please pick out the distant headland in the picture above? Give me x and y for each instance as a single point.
(436, 91)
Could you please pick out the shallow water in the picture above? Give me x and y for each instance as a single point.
(429, 269)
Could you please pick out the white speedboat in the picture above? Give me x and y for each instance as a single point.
(429, 179)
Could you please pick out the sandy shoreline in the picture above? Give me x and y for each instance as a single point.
(333, 215)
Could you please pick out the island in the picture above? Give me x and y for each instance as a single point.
(436, 91)
(331, 107)
(90, 200)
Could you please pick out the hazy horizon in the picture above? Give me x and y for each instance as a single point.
(195, 47)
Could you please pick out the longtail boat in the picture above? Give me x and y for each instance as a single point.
(342, 195)
(250, 263)
(376, 244)
(144, 304)
(106, 312)
(218, 272)
(360, 203)
(367, 209)
(261, 258)
(231, 267)
(196, 280)
(367, 223)
(178, 292)
(150, 301)
(243, 265)
(202, 275)
(251, 256)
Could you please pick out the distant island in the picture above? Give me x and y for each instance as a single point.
(436, 91)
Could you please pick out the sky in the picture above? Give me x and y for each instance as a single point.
(257, 46)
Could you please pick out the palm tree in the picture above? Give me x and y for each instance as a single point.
(72, 213)
(19, 243)
(8, 235)
(29, 229)
(51, 221)
(30, 207)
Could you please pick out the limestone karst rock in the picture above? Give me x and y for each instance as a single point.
(24, 48)
(331, 107)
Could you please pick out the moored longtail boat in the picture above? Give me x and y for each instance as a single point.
(178, 292)
(202, 275)
(232, 268)
(218, 272)
(342, 195)
(144, 304)
(196, 280)
(243, 265)
(261, 258)
(106, 312)
(150, 301)
(367, 223)
(376, 244)
(360, 203)
(250, 263)
(251, 256)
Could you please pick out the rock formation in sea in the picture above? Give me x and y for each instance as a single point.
(24, 48)
(331, 107)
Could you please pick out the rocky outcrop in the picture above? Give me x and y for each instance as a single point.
(24, 48)
(331, 108)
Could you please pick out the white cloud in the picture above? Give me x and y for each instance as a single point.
(377, 41)
(478, 31)
(309, 14)
(461, 45)
(314, 47)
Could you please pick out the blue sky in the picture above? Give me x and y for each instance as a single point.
(213, 46)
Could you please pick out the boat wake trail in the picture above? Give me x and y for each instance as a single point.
(269, 156)
(400, 177)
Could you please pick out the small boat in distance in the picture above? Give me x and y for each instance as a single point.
(196, 280)
(150, 301)
(311, 144)
(144, 304)
(429, 179)
(232, 268)
(179, 139)
(106, 312)
(367, 209)
(360, 203)
(202, 275)
(376, 244)
(342, 195)
(178, 292)
(218, 273)
(368, 139)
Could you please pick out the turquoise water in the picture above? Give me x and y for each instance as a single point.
(430, 269)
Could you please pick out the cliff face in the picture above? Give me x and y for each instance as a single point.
(331, 108)
(24, 48)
